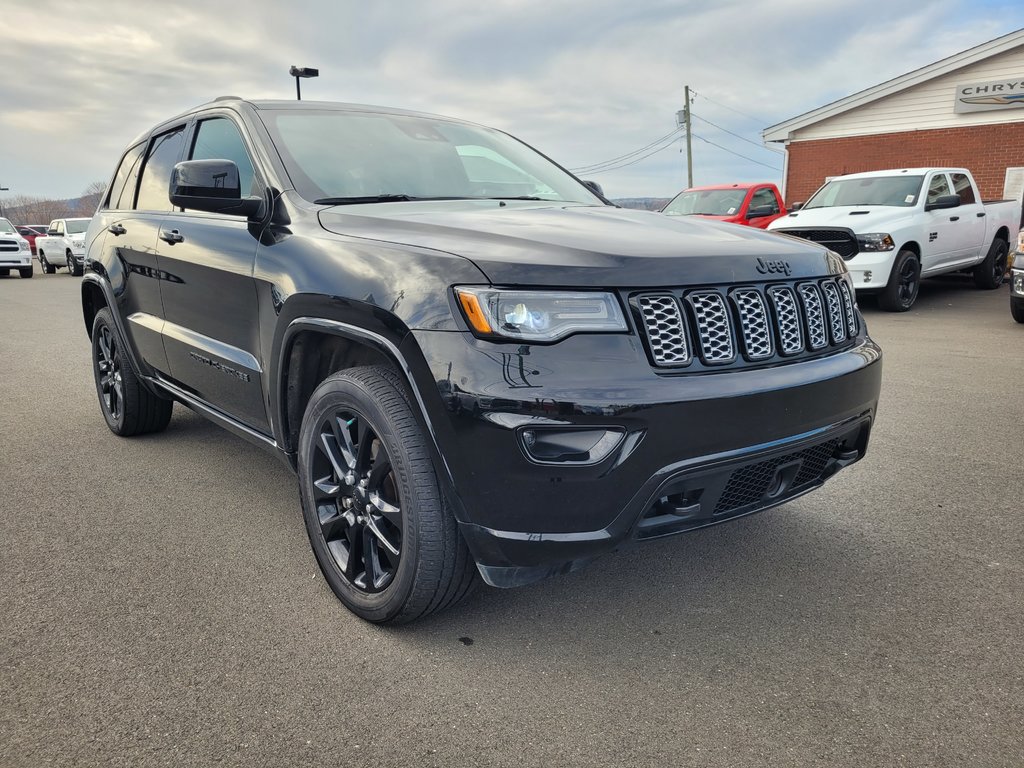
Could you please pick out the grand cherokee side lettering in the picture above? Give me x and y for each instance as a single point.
(219, 366)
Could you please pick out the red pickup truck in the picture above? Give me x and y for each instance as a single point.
(753, 205)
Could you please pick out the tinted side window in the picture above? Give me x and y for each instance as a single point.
(937, 187)
(762, 197)
(164, 152)
(219, 139)
(125, 172)
(962, 185)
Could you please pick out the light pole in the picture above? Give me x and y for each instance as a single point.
(298, 72)
(3, 189)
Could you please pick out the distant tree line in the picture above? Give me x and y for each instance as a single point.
(30, 209)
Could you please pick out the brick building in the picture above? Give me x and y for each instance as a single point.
(965, 111)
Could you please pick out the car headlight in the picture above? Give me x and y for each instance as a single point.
(23, 244)
(876, 241)
(541, 316)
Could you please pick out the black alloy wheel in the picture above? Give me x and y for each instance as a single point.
(990, 273)
(109, 379)
(357, 500)
(378, 521)
(900, 292)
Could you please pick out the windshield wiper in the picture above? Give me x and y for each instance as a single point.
(517, 197)
(364, 199)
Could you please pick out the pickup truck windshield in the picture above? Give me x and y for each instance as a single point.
(900, 191)
(76, 226)
(706, 202)
(6, 226)
(361, 157)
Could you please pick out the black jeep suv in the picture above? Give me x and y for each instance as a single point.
(473, 361)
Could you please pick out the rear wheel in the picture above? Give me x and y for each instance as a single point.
(383, 535)
(46, 266)
(989, 274)
(73, 267)
(128, 407)
(900, 292)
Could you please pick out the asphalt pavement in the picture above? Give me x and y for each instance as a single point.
(160, 606)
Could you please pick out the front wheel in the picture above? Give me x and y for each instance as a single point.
(26, 272)
(1017, 309)
(379, 525)
(900, 292)
(988, 275)
(128, 407)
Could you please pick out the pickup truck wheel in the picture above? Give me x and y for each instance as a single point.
(988, 275)
(4, 272)
(45, 265)
(900, 293)
(383, 535)
(73, 268)
(128, 407)
(1017, 309)
(27, 271)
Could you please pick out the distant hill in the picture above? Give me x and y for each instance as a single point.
(642, 203)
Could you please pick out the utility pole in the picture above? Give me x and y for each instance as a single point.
(3, 189)
(689, 154)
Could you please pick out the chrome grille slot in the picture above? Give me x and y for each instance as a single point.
(851, 314)
(836, 317)
(666, 331)
(754, 329)
(817, 335)
(714, 331)
(787, 315)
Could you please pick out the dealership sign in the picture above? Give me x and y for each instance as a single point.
(981, 97)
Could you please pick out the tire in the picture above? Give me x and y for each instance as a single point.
(1017, 309)
(900, 292)
(73, 268)
(45, 265)
(127, 406)
(382, 533)
(5, 272)
(988, 275)
(27, 272)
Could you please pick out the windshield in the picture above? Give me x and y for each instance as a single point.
(6, 226)
(363, 157)
(901, 191)
(76, 226)
(706, 202)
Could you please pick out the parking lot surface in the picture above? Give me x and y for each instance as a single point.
(159, 604)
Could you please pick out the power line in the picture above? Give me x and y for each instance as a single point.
(594, 166)
(741, 138)
(630, 162)
(731, 109)
(726, 149)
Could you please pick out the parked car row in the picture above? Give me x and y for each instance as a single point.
(58, 245)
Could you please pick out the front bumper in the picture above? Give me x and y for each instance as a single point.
(14, 260)
(688, 442)
(870, 270)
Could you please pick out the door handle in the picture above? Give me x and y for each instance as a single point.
(171, 237)
(116, 229)
(954, 218)
(980, 215)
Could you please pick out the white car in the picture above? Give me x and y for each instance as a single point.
(63, 246)
(15, 252)
(894, 227)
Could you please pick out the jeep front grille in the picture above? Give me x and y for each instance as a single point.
(746, 324)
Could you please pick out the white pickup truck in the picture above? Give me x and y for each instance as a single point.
(894, 227)
(63, 246)
(15, 252)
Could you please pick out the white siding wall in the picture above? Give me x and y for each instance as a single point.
(925, 106)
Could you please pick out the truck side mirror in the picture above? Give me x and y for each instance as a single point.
(943, 201)
(760, 212)
(796, 207)
(211, 186)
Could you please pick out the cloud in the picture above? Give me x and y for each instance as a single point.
(582, 80)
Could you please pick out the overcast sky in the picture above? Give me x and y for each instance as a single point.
(584, 81)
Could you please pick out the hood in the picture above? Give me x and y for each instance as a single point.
(586, 246)
(859, 218)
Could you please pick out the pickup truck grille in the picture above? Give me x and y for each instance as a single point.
(9, 246)
(746, 325)
(840, 240)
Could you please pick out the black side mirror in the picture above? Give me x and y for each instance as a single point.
(211, 186)
(795, 207)
(594, 187)
(943, 201)
(51, 232)
(760, 212)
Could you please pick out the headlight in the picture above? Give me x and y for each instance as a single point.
(23, 244)
(875, 241)
(1018, 282)
(539, 315)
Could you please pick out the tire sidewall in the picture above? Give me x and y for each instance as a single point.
(349, 393)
